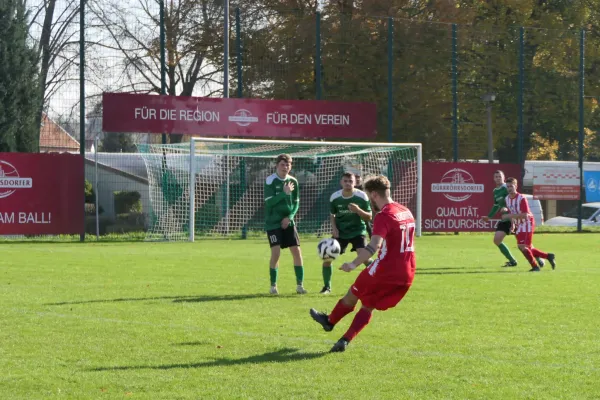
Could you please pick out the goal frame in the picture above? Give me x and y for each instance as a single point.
(192, 173)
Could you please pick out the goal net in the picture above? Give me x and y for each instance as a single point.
(215, 187)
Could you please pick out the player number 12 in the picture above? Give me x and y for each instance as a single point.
(408, 238)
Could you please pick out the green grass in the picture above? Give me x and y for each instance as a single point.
(191, 321)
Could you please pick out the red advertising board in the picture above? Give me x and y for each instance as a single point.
(457, 195)
(201, 116)
(556, 182)
(41, 194)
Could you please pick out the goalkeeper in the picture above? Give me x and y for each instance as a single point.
(350, 212)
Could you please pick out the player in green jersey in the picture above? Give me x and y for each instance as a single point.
(503, 227)
(282, 200)
(350, 211)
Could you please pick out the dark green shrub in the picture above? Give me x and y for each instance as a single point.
(128, 202)
(90, 195)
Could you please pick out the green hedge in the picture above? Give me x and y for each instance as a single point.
(127, 202)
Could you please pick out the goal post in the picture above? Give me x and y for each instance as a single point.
(214, 187)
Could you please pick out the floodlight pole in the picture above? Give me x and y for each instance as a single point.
(226, 96)
(488, 98)
(96, 205)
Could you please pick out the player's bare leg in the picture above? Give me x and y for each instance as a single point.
(327, 273)
(274, 268)
(298, 269)
(499, 242)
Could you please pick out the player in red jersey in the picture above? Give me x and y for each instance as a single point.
(387, 279)
(520, 213)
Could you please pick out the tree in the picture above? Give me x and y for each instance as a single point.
(117, 143)
(194, 47)
(542, 149)
(53, 28)
(19, 85)
(108, 141)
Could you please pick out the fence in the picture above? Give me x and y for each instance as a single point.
(461, 90)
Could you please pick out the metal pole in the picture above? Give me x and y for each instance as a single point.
(581, 125)
(226, 49)
(318, 71)
(226, 95)
(163, 64)
(520, 133)
(390, 79)
(96, 186)
(82, 99)
(489, 134)
(240, 94)
(238, 46)
(192, 189)
(454, 93)
(419, 189)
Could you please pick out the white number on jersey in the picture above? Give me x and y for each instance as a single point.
(408, 238)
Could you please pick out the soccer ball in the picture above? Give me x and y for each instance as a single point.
(328, 249)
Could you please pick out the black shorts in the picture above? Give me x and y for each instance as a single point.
(358, 242)
(283, 237)
(504, 226)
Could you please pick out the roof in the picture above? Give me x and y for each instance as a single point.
(54, 138)
(116, 171)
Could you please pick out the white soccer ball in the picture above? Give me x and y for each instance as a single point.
(328, 249)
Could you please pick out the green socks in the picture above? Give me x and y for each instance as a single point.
(327, 272)
(299, 270)
(273, 273)
(506, 252)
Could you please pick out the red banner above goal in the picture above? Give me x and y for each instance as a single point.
(202, 116)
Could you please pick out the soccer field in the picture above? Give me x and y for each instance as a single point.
(180, 320)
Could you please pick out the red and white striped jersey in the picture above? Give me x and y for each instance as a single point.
(519, 205)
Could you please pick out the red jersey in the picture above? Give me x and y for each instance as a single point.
(396, 260)
(519, 205)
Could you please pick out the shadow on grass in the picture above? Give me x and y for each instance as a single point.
(280, 356)
(460, 271)
(179, 299)
(231, 297)
(198, 343)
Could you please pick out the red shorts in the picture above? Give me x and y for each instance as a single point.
(374, 293)
(525, 238)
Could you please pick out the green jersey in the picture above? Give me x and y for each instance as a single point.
(348, 223)
(278, 204)
(500, 194)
